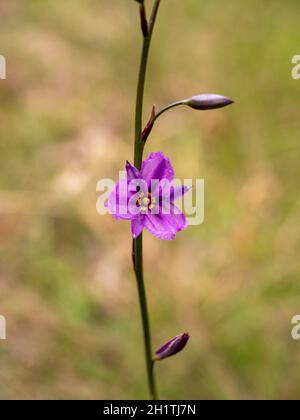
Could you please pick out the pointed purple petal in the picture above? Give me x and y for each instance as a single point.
(156, 166)
(178, 192)
(137, 225)
(117, 203)
(165, 226)
(132, 172)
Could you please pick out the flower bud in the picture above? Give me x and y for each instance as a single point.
(172, 347)
(206, 101)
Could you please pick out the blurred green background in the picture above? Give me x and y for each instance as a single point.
(66, 120)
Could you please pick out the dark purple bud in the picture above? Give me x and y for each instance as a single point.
(172, 347)
(206, 101)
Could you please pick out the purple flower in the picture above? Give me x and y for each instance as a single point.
(146, 198)
(172, 347)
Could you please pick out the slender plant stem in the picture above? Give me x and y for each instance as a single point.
(138, 261)
(137, 248)
(138, 143)
(173, 105)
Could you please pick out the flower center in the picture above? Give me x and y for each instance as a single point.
(146, 203)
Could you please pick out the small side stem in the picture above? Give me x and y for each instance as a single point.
(173, 105)
(137, 246)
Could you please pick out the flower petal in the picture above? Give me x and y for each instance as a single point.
(137, 225)
(178, 192)
(170, 193)
(156, 166)
(132, 172)
(165, 226)
(117, 203)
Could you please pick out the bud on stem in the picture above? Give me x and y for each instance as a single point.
(207, 101)
(202, 102)
(172, 347)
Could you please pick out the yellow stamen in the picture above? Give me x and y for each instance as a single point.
(146, 201)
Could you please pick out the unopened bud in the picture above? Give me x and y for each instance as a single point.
(172, 347)
(206, 101)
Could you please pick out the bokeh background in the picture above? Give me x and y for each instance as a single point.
(66, 120)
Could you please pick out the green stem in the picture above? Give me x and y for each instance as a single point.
(138, 266)
(173, 105)
(137, 251)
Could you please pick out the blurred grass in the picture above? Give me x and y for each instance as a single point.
(67, 288)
